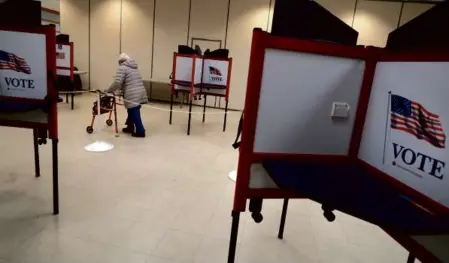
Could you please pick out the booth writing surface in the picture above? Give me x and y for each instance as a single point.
(296, 98)
(23, 65)
(406, 128)
(63, 72)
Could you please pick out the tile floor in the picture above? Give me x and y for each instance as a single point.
(163, 199)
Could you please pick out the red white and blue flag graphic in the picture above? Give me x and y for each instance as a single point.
(411, 117)
(214, 71)
(9, 61)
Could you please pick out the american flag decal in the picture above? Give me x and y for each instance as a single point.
(60, 55)
(411, 117)
(9, 61)
(214, 71)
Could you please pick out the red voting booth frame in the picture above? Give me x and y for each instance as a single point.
(48, 129)
(192, 86)
(262, 41)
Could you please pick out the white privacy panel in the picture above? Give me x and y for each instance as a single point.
(184, 68)
(23, 65)
(406, 125)
(297, 94)
(216, 73)
(63, 56)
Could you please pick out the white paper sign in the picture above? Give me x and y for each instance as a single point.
(407, 124)
(215, 72)
(23, 65)
(63, 56)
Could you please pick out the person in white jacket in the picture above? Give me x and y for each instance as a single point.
(129, 80)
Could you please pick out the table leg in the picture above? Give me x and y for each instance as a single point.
(411, 258)
(204, 108)
(36, 153)
(55, 176)
(225, 116)
(190, 116)
(283, 218)
(171, 109)
(73, 100)
(234, 235)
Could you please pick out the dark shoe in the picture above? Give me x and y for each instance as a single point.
(128, 130)
(138, 135)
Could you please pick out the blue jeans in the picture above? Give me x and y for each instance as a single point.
(135, 120)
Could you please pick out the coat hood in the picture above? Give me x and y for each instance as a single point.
(126, 60)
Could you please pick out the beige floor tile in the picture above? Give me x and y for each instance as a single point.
(178, 245)
(162, 199)
(212, 250)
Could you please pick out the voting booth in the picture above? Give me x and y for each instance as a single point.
(27, 95)
(357, 129)
(197, 75)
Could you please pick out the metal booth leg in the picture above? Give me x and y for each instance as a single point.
(283, 217)
(171, 109)
(234, 235)
(190, 116)
(411, 258)
(225, 116)
(204, 108)
(66, 98)
(115, 117)
(36, 153)
(55, 176)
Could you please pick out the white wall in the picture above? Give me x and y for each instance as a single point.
(137, 33)
(75, 21)
(151, 30)
(51, 4)
(104, 41)
(170, 30)
(243, 17)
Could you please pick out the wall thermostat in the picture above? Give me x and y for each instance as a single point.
(340, 110)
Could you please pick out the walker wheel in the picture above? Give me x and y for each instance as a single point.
(257, 217)
(89, 129)
(42, 141)
(109, 122)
